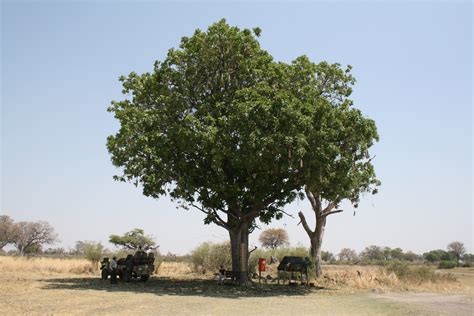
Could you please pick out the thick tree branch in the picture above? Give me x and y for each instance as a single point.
(305, 224)
(329, 208)
(333, 212)
(218, 221)
(313, 200)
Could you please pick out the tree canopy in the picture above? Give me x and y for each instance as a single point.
(211, 127)
(223, 128)
(217, 126)
(133, 240)
(457, 249)
(274, 238)
(7, 231)
(30, 236)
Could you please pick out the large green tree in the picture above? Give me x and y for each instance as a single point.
(337, 164)
(217, 126)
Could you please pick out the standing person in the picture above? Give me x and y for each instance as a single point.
(221, 275)
(113, 271)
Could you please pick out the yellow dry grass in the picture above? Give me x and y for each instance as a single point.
(376, 278)
(45, 266)
(353, 278)
(341, 277)
(174, 269)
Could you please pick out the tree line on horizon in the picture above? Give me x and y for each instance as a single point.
(31, 241)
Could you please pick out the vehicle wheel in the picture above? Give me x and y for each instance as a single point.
(126, 276)
(144, 278)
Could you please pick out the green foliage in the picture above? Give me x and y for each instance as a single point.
(210, 256)
(33, 249)
(447, 264)
(348, 255)
(133, 239)
(397, 253)
(437, 255)
(93, 252)
(121, 253)
(416, 274)
(327, 256)
(373, 253)
(221, 127)
(7, 231)
(212, 126)
(457, 249)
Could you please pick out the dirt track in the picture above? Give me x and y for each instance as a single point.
(88, 295)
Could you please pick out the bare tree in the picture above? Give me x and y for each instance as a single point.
(274, 238)
(31, 235)
(7, 230)
(457, 249)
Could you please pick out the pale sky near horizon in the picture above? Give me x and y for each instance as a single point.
(60, 62)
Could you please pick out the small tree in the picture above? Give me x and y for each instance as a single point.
(133, 239)
(274, 238)
(437, 255)
(387, 253)
(411, 256)
(457, 249)
(7, 231)
(93, 252)
(30, 236)
(397, 253)
(373, 253)
(347, 254)
(327, 256)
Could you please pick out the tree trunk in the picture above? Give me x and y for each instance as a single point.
(316, 242)
(239, 238)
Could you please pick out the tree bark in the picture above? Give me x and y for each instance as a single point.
(239, 242)
(316, 243)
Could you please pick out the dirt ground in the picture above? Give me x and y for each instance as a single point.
(78, 295)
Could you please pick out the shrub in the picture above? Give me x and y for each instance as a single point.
(209, 256)
(447, 264)
(467, 264)
(93, 252)
(419, 274)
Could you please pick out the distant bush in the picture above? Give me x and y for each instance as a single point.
(209, 256)
(417, 274)
(447, 265)
(467, 264)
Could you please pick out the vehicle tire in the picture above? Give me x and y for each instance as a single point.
(144, 278)
(126, 276)
(104, 274)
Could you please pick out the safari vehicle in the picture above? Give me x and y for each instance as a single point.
(138, 266)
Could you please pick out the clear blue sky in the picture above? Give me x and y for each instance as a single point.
(413, 64)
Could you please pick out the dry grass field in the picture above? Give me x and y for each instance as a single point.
(70, 286)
